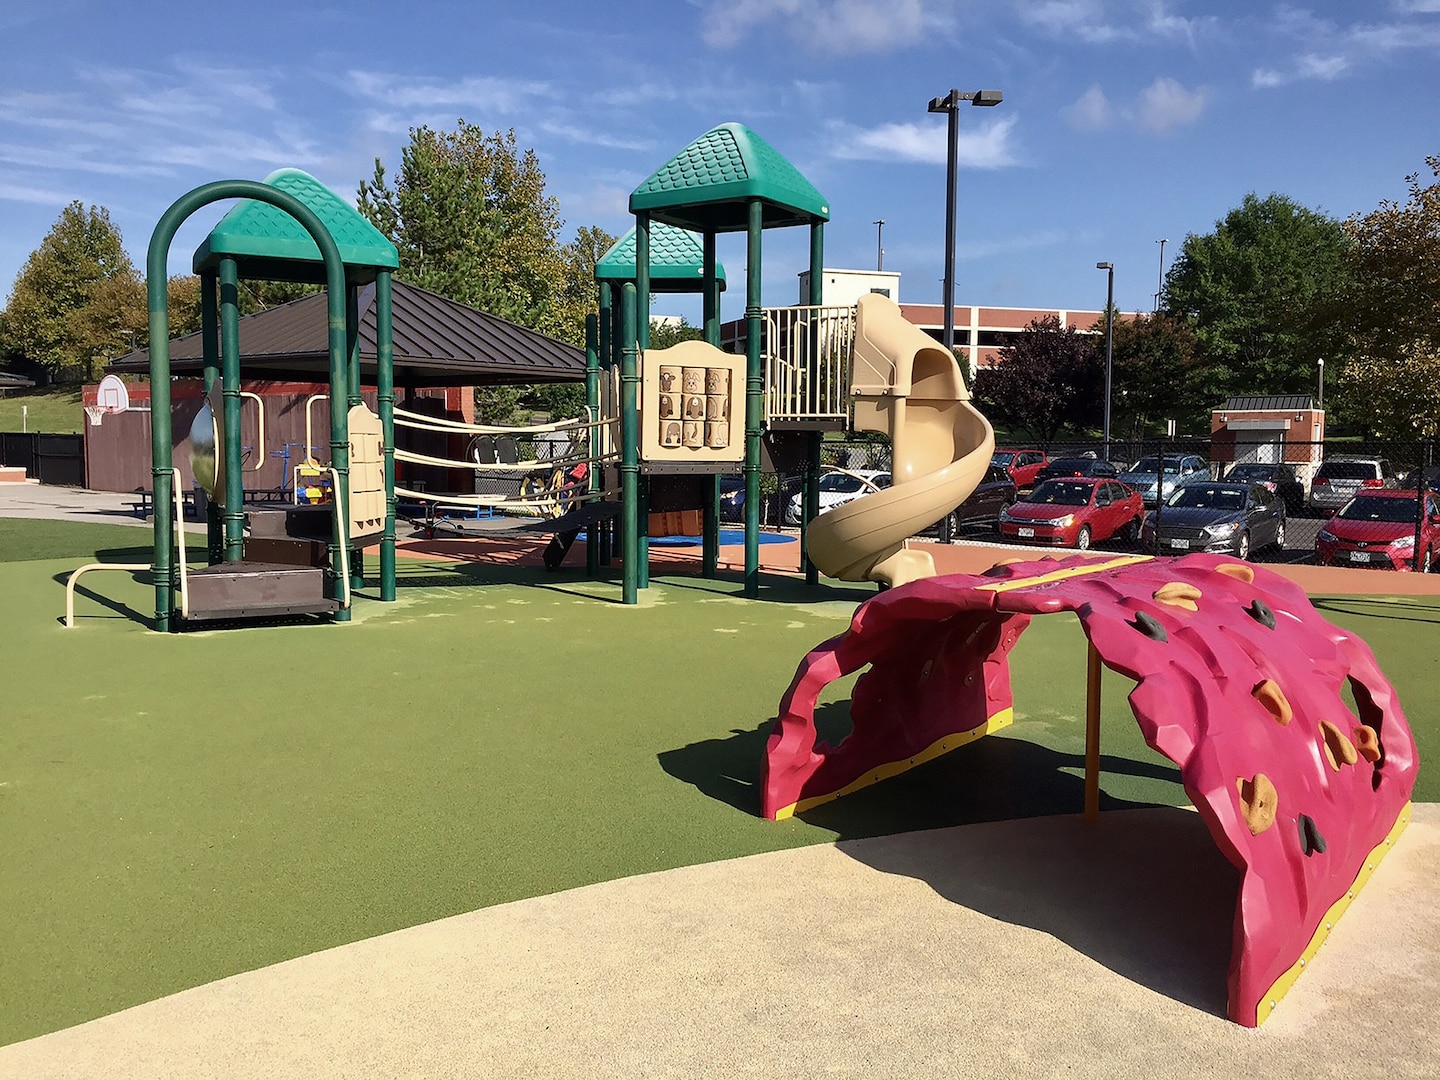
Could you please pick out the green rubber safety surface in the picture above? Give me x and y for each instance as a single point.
(179, 808)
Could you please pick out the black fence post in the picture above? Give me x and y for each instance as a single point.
(1420, 477)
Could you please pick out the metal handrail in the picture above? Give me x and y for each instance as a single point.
(342, 536)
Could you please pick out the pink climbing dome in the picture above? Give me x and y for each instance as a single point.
(1239, 682)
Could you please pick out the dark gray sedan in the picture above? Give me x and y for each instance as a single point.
(1217, 517)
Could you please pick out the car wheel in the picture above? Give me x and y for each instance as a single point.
(1280, 536)
(1082, 538)
(1131, 533)
(1242, 546)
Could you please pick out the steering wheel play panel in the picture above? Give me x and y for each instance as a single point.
(1239, 682)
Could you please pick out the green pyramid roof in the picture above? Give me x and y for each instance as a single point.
(269, 244)
(677, 261)
(710, 183)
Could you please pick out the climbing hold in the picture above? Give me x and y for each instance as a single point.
(1339, 750)
(1239, 571)
(1269, 694)
(1178, 594)
(1150, 626)
(1258, 802)
(1261, 613)
(1311, 842)
(1367, 743)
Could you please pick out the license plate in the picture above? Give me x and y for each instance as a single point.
(1025, 533)
(1179, 543)
(1359, 556)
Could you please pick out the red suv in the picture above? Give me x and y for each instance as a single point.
(1377, 529)
(1022, 465)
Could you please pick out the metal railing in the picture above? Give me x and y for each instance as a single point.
(807, 363)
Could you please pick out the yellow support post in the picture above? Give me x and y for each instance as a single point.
(1092, 733)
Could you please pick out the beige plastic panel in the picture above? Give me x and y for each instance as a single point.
(906, 385)
(692, 404)
(367, 472)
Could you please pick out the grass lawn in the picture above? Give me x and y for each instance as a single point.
(54, 411)
(179, 808)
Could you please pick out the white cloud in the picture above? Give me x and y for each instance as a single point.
(980, 146)
(1097, 22)
(840, 27)
(37, 196)
(1166, 105)
(489, 95)
(1091, 112)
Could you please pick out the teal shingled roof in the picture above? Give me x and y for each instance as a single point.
(677, 261)
(710, 183)
(269, 244)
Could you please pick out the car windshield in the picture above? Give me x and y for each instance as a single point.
(1062, 493)
(1375, 508)
(1348, 470)
(842, 482)
(1002, 459)
(1209, 496)
(1147, 464)
(1064, 465)
(1252, 472)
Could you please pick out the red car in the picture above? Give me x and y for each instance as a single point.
(1022, 465)
(1376, 529)
(1075, 512)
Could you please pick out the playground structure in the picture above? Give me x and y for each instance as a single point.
(1239, 684)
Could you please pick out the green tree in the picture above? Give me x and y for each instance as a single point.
(1156, 375)
(72, 302)
(663, 335)
(1048, 378)
(1390, 371)
(1259, 292)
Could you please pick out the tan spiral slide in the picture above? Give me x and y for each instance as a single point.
(910, 387)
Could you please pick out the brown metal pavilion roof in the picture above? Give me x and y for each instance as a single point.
(438, 342)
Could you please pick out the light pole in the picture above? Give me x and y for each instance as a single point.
(1320, 395)
(1160, 283)
(1109, 269)
(879, 248)
(950, 104)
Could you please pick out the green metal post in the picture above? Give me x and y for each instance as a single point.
(642, 330)
(609, 358)
(210, 351)
(629, 451)
(754, 397)
(385, 401)
(229, 421)
(157, 303)
(353, 397)
(710, 306)
(592, 434)
(812, 460)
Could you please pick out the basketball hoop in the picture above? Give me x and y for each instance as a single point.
(95, 413)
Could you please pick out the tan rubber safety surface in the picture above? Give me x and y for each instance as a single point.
(1032, 948)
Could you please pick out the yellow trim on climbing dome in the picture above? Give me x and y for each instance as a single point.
(1002, 719)
(1282, 985)
(1061, 575)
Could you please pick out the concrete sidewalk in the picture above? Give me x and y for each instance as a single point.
(1031, 948)
(31, 500)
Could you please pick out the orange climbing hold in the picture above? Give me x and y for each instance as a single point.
(1269, 694)
(1258, 802)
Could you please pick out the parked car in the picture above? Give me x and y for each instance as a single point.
(993, 494)
(1274, 476)
(1376, 529)
(1022, 465)
(1075, 466)
(838, 488)
(1219, 517)
(1074, 512)
(1431, 474)
(1340, 478)
(1144, 476)
(732, 498)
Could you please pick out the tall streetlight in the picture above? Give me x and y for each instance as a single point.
(1160, 283)
(950, 104)
(1109, 269)
(879, 247)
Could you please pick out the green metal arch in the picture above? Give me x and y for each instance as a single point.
(157, 277)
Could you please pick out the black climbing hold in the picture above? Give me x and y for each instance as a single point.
(1311, 842)
(1150, 626)
(1261, 613)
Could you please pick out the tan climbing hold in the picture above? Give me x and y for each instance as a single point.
(1367, 743)
(1339, 750)
(1239, 571)
(1258, 802)
(1178, 594)
(1269, 694)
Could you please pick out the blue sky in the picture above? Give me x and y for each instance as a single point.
(1124, 121)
